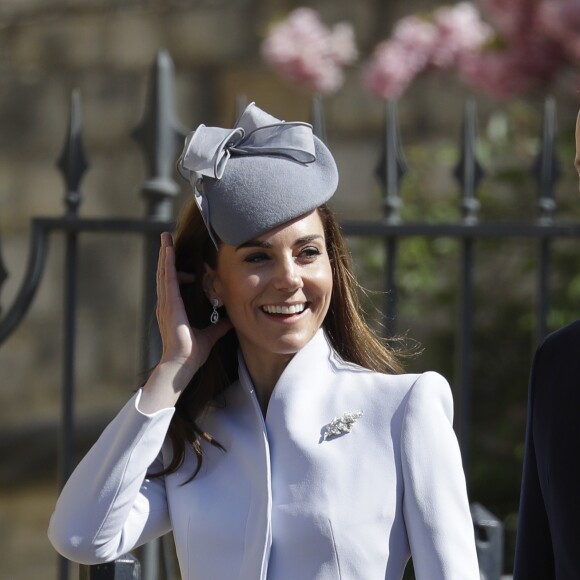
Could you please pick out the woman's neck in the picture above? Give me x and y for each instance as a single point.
(265, 369)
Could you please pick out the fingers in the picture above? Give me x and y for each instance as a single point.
(160, 278)
(165, 273)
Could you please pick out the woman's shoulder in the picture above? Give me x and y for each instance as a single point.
(428, 383)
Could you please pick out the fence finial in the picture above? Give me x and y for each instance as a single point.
(468, 171)
(546, 167)
(161, 138)
(317, 118)
(3, 274)
(392, 166)
(72, 162)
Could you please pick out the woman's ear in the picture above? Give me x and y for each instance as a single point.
(208, 283)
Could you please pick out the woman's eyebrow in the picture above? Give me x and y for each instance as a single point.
(268, 246)
(307, 239)
(255, 244)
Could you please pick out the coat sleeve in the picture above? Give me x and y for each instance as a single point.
(533, 556)
(108, 506)
(435, 504)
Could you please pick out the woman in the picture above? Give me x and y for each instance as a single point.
(272, 442)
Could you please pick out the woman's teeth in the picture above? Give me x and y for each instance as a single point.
(293, 309)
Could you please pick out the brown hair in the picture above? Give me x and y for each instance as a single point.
(345, 327)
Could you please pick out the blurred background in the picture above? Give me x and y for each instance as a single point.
(355, 57)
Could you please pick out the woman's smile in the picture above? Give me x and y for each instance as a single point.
(284, 309)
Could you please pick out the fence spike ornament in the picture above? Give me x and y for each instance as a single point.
(161, 138)
(72, 162)
(3, 274)
(546, 166)
(317, 118)
(393, 166)
(469, 172)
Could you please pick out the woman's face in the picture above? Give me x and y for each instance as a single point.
(276, 288)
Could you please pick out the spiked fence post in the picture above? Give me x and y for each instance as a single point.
(72, 164)
(390, 172)
(161, 138)
(546, 170)
(468, 173)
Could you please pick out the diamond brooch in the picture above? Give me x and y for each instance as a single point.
(341, 425)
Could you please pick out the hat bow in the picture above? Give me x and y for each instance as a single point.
(208, 149)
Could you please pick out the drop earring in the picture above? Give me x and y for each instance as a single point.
(215, 315)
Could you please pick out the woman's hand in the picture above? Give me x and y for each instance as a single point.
(185, 349)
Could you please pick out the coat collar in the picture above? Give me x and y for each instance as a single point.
(314, 356)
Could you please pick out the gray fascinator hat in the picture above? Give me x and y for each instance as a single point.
(258, 175)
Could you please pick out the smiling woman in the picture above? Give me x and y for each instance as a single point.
(275, 437)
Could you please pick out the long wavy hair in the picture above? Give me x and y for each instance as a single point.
(345, 327)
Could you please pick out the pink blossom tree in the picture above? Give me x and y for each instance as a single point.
(505, 48)
(522, 45)
(306, 52)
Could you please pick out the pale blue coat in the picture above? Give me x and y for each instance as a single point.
(283, 503)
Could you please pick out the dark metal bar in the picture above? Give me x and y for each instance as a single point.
(317, 118)
(392, 166)
(543, 308)
(240, 105)
(501, 230)
(391, 297)
(546, 170)
(546, 167)
(105, 225)
(72, 162)
(66, 434)
(468, 173)
(32, 278)
(464, 342)
(162, 138)
(73, 165)
(361, 228)
(390, 171)
(124, 568)
(3, 274)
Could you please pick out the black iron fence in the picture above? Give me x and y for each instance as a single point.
(161, 138)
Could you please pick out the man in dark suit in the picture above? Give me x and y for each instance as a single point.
(548, 538)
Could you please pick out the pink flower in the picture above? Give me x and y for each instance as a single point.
(511, 17)
(523, 57)
(302, 50)
(560, 20)
(460, 31)
(396, 62)
(417, 35)
(518, 68)
(418, 44)
(391, 69)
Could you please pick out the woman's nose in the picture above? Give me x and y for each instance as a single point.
(288, 277)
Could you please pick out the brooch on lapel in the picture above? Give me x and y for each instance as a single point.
(340, 425)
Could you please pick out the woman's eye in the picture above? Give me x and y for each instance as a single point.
(255, 258)
(310, 252)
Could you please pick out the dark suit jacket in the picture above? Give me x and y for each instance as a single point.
(548, 537)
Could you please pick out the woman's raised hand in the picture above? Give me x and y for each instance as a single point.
(185, 349)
